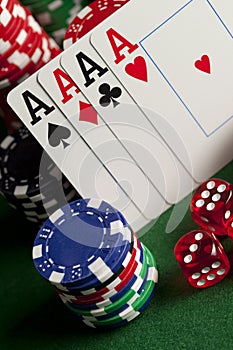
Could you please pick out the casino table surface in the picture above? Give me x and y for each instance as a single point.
(178, 317)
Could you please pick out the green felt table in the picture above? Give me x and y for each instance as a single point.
(178, 317)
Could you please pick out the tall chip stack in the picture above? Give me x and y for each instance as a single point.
(96, 264)
(24, 48)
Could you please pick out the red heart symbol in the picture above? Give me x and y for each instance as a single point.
(137, 69)
(203, 64)
(87, 113)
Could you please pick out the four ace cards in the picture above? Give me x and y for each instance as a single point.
(139, 110)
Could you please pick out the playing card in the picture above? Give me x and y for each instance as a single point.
(177, 64)
(100, 139)
(68, 150)
(126, 121)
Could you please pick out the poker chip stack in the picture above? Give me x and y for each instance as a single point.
(89, 17)
(24, 48)
(54, 15)
(29, 180)
(96, 264)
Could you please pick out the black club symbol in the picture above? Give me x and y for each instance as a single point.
(109, 95)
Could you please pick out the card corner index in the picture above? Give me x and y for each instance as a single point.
(18, 90)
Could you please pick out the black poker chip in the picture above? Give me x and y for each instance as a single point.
(34, 188)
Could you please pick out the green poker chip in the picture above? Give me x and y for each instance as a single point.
(54, 16)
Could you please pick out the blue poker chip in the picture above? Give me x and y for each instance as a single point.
(115, 261)
(78, 243)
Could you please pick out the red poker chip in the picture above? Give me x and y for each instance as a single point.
(25, 40)
(35, 47)
(20, 53)
(89, 17)
(23, 25)
(10, 35)
(37, 55)
(20, 59)
(6, 12)
(12, 19)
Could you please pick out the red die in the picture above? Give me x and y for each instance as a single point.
(201, 258)
(212, 205)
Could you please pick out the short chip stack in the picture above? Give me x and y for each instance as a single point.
(54, 15)
(89, 17)
(24, 48)
(30, 182)
(95, 262)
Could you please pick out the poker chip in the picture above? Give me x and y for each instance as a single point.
(100, 230)
(113, 285)
(95, 263)
(113, 288)
(35, 194)
(89, 17)
(54, 15)
(139, 298)
(109, 305)
(24, 48)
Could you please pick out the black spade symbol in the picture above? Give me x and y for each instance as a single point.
(57, 134)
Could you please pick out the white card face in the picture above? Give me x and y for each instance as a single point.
(101, 140)
(199, 54)
(68, 150)
(179, 64)
(126, 121)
